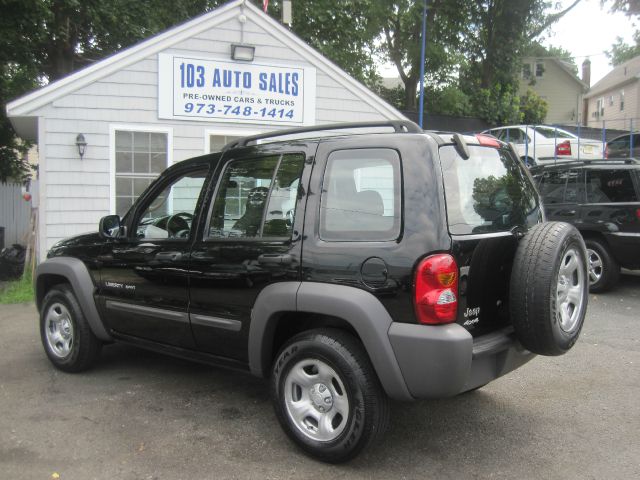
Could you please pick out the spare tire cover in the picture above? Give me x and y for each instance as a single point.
(548, 290)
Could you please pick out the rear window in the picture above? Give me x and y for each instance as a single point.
(489, 192)
(553, 133)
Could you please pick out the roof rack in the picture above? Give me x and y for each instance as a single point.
(600, 161)
(399, 126)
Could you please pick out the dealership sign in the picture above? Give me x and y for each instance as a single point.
(204, 89)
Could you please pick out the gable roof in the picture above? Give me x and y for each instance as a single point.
(27, 105)
(624, 73)
(565, 67)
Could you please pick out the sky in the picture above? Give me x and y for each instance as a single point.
(587, 31)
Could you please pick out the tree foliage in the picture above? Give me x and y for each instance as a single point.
(621, 51)
(533, 108)
(344, 31)
(44, 40)
(401, 44)
(628, 7)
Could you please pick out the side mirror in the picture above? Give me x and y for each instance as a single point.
(109, 226)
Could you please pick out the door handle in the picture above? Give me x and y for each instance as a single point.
(275, 259)
(168, 256)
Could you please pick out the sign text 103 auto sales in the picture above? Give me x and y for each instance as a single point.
(209, 89)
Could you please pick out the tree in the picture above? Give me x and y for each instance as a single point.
(533, 108)
(621, 52)
(44, 40)
(628, 7)
(344, 31)
(401, 44)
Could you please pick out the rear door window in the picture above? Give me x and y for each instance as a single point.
(610, 186)
(489, 192)
(361, 196)
(257, 197)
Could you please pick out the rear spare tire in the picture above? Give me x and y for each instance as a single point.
(549, 288)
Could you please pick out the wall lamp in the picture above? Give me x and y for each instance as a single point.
(242, 52)
(81, 143)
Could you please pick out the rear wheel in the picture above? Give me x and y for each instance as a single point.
(66, 336)
(327, 396)
(549, 290)
(604, 271)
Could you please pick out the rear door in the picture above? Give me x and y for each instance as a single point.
(251, 238)
(562, 192)
(491, 202)
(613, 208)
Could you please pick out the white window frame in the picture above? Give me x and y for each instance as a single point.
(232, 132)
(132, 127)
(535, 73)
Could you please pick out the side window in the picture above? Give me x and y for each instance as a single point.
(170, 213)
(513, 135)
(561, 187)
(256, 197)
(605, 186)
(361, 196)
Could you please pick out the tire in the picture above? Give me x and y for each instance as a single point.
(604, 270)
(327, 396)
(548, 288)
(66, 336)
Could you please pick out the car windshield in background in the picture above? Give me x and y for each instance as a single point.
(489, 192)
(550, 132)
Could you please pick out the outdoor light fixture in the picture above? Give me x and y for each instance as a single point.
(81, 143)
(242, 52)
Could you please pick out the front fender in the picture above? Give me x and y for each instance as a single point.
(76, 273)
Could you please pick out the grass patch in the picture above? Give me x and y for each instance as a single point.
(17, 291)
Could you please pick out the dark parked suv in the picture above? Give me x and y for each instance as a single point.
(346, 269)
(602, 199)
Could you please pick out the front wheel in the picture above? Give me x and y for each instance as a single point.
(327, 396)
(66, 336)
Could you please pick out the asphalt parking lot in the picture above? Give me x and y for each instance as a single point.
(140, 415)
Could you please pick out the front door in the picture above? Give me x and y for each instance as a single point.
(144, 277)
(251, 238)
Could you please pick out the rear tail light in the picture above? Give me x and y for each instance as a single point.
(487, 141)
(638, 213)
(436, 290)
(606, 151)
(563, 148)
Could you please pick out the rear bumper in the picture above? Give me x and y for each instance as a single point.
(444, 360)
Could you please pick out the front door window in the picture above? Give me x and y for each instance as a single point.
(170, 213)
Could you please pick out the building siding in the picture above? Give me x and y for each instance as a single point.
(76, 193)
(562, 93)
(613, 116)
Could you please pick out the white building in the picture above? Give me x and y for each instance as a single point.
(174, 96)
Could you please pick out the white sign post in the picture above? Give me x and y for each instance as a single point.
(206, 90)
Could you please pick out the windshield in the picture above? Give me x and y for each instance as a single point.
(550, 132)
(489, 192)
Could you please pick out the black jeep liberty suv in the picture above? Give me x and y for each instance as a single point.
(346, 268)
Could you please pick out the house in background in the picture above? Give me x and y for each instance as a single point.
(232, 72)
(615, 99)
(554, 81)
